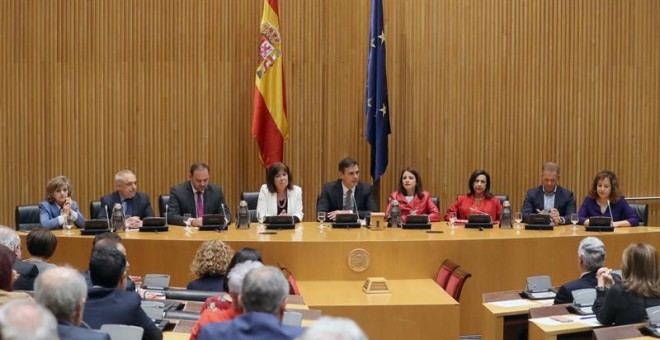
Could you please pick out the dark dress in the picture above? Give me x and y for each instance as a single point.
(208, 283)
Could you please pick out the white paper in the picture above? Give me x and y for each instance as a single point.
(547, 321)
(512, 303)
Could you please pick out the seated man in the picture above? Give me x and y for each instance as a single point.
(108, 302)
(135, 204)
(591, 256)
(27, 271)
(347, 194)
(107, 239)
(549, 197)
(63, 291)
(25, 319)
(196, 197)
(263, 298)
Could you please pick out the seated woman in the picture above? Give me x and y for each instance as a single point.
(279, 196)
(7, 277)
(58, 206)
(605, 199)
(412, 198)
(478, 201)
(210, 265)
(626, 302)
(41, 244)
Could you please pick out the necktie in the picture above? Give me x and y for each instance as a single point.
(348, 200)
(128, 209)
(200, 205)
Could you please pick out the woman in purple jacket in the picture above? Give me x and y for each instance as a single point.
(605, 199)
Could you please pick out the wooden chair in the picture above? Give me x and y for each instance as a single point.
(618, 332)
(444, 272)
(501, 296)
(545, 311)
(456, 282)
(293, 286)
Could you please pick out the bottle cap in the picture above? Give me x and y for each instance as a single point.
(243, 204)
(506, 204)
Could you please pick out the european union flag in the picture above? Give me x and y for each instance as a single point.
(377, 107)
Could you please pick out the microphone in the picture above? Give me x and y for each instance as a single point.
(166, 206)
(107, 217)
(356, 207)
(611, 217)
(225, 215)
(479, 211)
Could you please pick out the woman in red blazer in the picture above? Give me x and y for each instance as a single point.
(412, 198)
(478, 201)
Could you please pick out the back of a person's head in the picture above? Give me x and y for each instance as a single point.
(7, 258)
(640, 271)
(25, 319)
(62, 290)
(212, 259)
(41, 242)
(264, 290)
(242, 255)
(592, 253)
(9, 238)
(107, 266)
(237, 275)
(331, 328)
(106, 236)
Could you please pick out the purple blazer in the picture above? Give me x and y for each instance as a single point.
(621, 210)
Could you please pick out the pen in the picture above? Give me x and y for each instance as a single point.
(588, 317)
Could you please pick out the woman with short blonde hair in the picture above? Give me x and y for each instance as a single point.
(210, 265)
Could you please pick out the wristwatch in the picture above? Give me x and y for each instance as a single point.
(601, 289)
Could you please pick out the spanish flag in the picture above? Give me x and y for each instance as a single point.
(269, 121)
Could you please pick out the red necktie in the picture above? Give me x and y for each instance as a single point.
(200, 205)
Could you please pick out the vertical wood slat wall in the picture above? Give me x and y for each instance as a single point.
(91, 87)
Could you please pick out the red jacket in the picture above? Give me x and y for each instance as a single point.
(465, 205)
(421, 206)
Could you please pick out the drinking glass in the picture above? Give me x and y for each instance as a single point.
(68, 223)
(261, 217)
(187, 220)
(320, 216)
(452, 219)
(575, 218)
(518, 218)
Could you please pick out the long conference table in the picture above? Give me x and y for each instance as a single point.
(498, 259)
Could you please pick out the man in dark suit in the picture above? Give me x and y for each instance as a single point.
(27, 271)
(550, 198)
(263, 297)
(108, 302)
(347, 194)
(63, 291)
(591, 256)
(136, 204)
(196, 197)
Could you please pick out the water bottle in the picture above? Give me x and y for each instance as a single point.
(118, 218)
(243, 215)
(395, 215)
(505, 222)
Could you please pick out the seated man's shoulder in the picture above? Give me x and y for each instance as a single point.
(72, 332)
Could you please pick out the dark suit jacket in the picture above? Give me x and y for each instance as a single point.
(564, 202)
(130, 285)
(67, 331)
(182, 201)
(250, 326)
(114, 306)
(28, 272)
(332, 198)
(140, 205)
(564, 295)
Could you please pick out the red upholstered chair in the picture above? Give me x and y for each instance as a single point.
(456, 282)
(446, 268)
(293, 287)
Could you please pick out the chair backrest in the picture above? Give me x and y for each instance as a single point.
(436, 201)
(545, 311)
(444, 272)
(502, 197)
(94, 209)
(293, 286)
(251, 197)
(456, 282)
(27, 217)
(642, 211)
(502, 296)
(163, 200)
(618, 332)
(123, 332)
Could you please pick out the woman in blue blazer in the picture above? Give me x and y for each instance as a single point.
(279, 196)
(58, 205)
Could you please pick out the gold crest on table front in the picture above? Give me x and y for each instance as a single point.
(359, 260)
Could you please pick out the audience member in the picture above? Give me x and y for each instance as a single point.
(196, 197)
(334, 328)
(41, 244)
(63, 291)
(27, 271)
(279, 196)
(347, 194)
(549, 197)
(26, 319)
(263, 298)
(103, 240)
(606, 199)
(591, 256)
(136, 205)
(412, 198)
(108, 302)
(478, 201)
(242, 255)
(626, 302)
(58, 206)
(8, 276)
(235, 278)
(210, 266)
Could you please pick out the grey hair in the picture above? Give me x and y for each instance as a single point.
(62, 290)
(264, 290)
(237, 275)
(25, 319)
(119, 177)
(551, 167)
(331, 328)
(592, 253)
(10, 239)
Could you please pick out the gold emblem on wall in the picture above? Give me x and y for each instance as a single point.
(359, 260)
